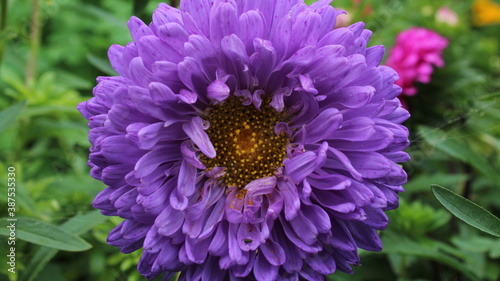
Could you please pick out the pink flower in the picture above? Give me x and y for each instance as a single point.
(447, 15)
(343, 20)
(416, 51)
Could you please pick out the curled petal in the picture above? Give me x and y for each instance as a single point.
(195, 130)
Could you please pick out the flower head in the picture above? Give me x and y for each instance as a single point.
(486, 12)
(416, 51)
(343, 20)
(447, 15)
(247, 140)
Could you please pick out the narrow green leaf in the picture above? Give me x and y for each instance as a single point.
(24, 198)
(77, 225)
(468, 211)
(74, 81)
(101, 64)
(103, 15)
(9, 115)
(49, 109)
(495, 250)
(422, 182)
(80, 224)
(458, 150)
(45, 234)
(394, 243)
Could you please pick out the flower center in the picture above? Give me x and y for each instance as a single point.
(245, 141)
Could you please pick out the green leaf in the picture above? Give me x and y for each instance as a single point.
(495, 250)
(394, 243)
(468, 211)
(45, 234)
(73, 81)
(77, 225)
(458, 150)
(101, 64)
(422, 182)
(9, 115)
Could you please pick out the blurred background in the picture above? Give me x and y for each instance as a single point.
(51, 51)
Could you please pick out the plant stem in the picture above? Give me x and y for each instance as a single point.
(3, 24)
(35, 27)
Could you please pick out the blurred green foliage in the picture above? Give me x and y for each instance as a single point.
(454, 132)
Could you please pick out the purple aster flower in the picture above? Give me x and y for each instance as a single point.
(247, 140)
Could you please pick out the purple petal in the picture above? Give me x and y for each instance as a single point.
(381, 139)
(354, 96)
(339, 36)
(187, 97)
(263, 60)
(178, 201)
(275, 204)
(356, 129)
(299, 167)
(137, 28)
(198, 10)
(261, 186)
(370, 164)
(329, 181)
(248, 237)
(218, 246)
(190, 156)
(273, 252)
(116, 59)
(218, 91)
(291, 198)
(263, 270)
(234, 249)
(291, 264)
(195, 130)
(234, 207)
(152, 49)
(197, 250)
(150, 135)
(214, 218)
(245, 269)
(234, 49)
(366, 237)
(323, 127)
(305, 30)
(323, 263)
(156, 201)
(297, 240)
(174, 34)
(186, 180)
(304, 228)
(341, 237)
(374, 55)
(338, 201)
(338, 160)
(223, 22)
(153, 159)
(252, 25)
(162, 94)
(166, 14)
(169, 221)
(318, 217)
